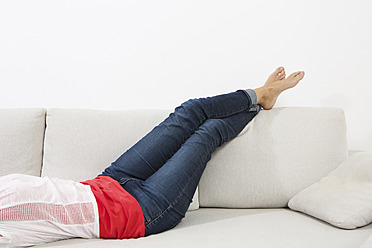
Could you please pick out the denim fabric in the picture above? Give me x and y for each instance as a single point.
(163, 169)
(252, 95)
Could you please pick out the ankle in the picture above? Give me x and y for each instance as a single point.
(262, 94)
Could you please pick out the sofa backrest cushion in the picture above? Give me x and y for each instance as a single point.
(81, 143)
(21, 140)
(279, 153)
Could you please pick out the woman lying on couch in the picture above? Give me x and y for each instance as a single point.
(148, 189)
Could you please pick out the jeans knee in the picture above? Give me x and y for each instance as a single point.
(190, 110)
(213, 124)
(191, 104)
(212, 129)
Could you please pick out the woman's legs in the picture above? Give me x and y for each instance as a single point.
(166, 195)
(152, 151)
(199, 126)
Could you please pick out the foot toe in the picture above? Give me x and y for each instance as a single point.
(300, 74)
(294, 74)
(276, 75)
(297, 76)
(279, 70)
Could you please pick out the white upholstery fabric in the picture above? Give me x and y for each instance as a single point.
(21, 140)
(344, 197)
(367, 243)
(261, 228)
(80, 144)
(279, 153)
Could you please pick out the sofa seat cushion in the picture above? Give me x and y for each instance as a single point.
(21, 140)
(264, 228)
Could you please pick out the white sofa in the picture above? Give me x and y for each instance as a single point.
(243, 195)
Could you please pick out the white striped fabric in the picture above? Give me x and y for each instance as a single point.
(35, 210)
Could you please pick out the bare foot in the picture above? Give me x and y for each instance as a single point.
(268, 94)
(278, 74)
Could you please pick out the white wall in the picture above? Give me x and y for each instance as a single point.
(110, 54)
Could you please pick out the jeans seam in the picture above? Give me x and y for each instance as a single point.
(176, 200)
(144, 160)
(229, 113)
(154, 221)
(122, 179)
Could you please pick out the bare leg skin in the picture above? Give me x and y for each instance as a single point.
(275, 85)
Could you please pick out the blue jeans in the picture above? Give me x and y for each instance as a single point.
(163, 169)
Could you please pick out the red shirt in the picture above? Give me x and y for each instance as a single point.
(120, 215)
